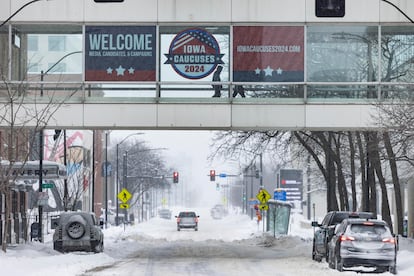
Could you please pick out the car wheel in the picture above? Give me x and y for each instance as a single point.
(393, 269)
(338, 263)
(98, 247)
(75, 230)
(315, 256)
(57, 246)
(331, 263)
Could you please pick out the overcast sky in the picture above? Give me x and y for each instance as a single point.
(187, 153)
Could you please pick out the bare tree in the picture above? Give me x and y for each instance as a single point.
(22, 114)
(145, 169)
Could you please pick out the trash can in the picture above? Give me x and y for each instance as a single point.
(34, 231)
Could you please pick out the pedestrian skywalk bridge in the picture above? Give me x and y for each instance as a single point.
(186, 105)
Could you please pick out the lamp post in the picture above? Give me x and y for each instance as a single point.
(117, 173)
(141, 189)
(141, 192)
(16, 12)
(42, 74)
(106, 179)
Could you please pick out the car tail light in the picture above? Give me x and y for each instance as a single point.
(346, 238)
(389, 240)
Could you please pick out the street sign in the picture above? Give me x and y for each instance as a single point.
(223, 175)
(124, 195)
(264, 207)
(279, 195)
(124, 206)
(48, 185)
(263, 196)
(253, 201)
(291, 181)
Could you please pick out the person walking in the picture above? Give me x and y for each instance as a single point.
(216, 77)
(239, 89)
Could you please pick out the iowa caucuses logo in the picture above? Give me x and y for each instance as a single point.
(194, 54)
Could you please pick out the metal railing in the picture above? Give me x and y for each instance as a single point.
(184, 92)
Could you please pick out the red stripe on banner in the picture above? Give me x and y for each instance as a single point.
(274, 46)
(92, 75)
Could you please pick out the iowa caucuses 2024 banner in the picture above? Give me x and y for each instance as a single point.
(120, 53)
(268, 53)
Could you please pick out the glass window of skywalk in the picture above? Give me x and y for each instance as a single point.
(290, 63)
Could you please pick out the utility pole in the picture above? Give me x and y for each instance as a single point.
(106, 179)
(40, 234)
(65, 191)
(125, 181)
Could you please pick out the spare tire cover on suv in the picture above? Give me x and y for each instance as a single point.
(76, 227)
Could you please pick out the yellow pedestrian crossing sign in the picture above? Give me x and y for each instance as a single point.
(124, 195)
(124, 206)
(263, 196)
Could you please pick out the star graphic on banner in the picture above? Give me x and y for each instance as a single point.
(131, 70)
(109, 70)
(268, 71)
(120, 71)
(279, 71)
(257, 71)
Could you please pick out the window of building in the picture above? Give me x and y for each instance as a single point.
(57, 68)
(33, 43)
(56, 43)
(33, 67)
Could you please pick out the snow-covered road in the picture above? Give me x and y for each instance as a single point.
(234, 245)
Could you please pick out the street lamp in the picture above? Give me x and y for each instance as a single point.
(16, 12)
(41, 130)
(141, 191)
(43, 74)
(117, 172)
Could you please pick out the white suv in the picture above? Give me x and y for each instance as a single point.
(187, 220)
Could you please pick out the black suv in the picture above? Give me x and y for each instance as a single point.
(326, 230)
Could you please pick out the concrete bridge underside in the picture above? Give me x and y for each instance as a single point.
(209, 114)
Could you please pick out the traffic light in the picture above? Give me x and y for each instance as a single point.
(330, 8)
(56, 135)
(175, 177)
(212, 175)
